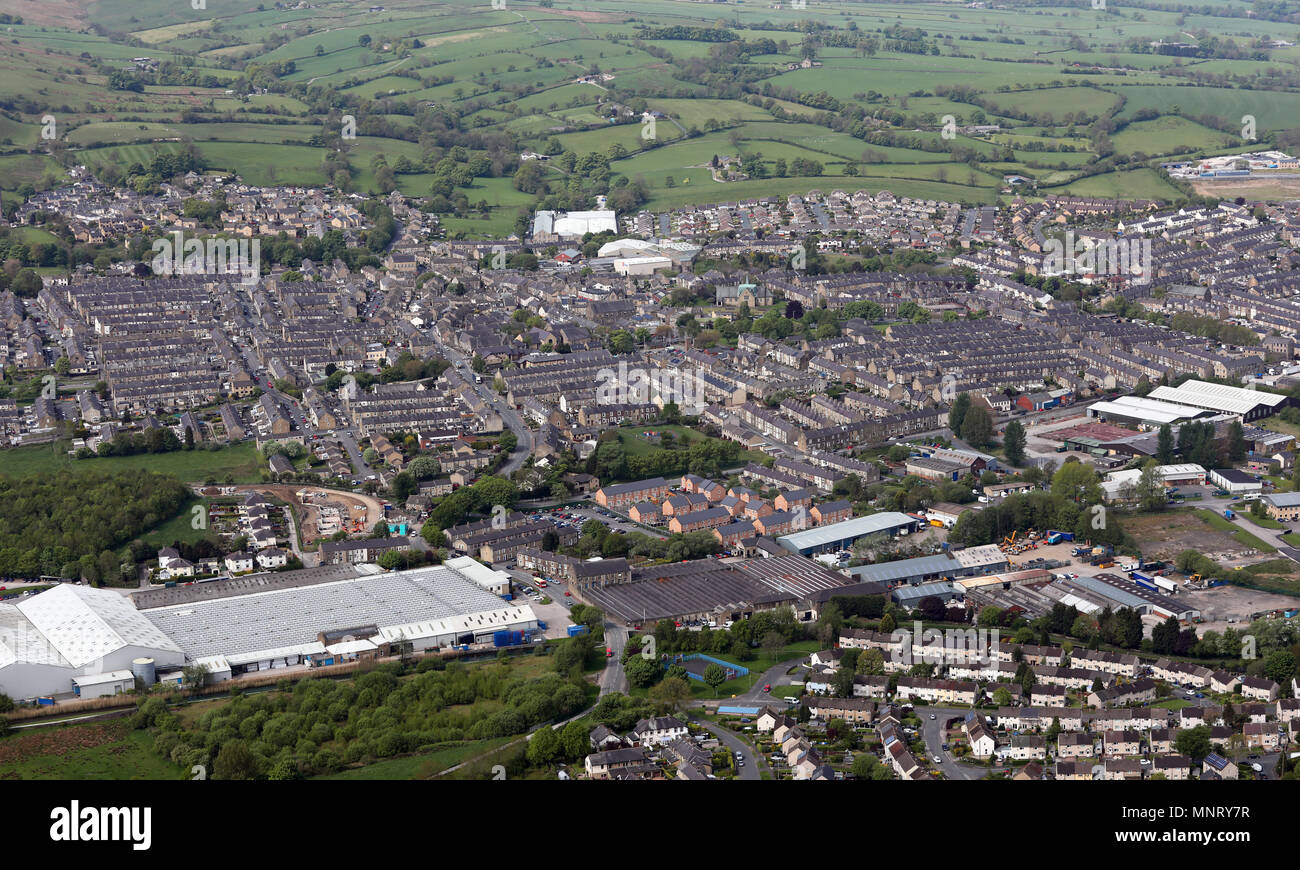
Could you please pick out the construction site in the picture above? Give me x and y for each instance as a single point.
(322, 513)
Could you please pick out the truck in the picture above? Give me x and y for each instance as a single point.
(575, 630)
(1148, 585)
(1166, 584)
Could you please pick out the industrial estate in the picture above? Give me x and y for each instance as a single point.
(448, 390)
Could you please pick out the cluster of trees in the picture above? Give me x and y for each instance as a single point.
(70, 524)
(611, 461)
(1072, 505)
(160, 440)
(320, 726)
(481, 497)
(972, 423)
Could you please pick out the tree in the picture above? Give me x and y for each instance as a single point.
(1150, 490)
(1013, 442)
(545, 746)
(1165, 445)
(424, 468)
(867, 766)
(1077, 482)
(842, 683)
(575, 741)
(195, 676)
(715, 676)
(957, 413)
(773, 643)
(977, 426)
(1194, 743)
(236, 761)
(641, 671)
(1236, 441)
(1280, 666)
(671, 692)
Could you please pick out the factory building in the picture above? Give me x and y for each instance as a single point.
(840, 536)
(74, 639)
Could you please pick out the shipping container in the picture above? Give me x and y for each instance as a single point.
(575, 630)
(1148, 585)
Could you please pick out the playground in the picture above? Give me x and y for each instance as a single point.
(697, 663)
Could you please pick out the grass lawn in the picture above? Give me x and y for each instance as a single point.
(757, 667)
(1264, 522)
(422, 765)
(180, 528)
(240, 460)
(635, 445)
(94, 750)
(1240, 535)
(1173, 703)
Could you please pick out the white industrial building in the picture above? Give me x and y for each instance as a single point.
(333, 614)
(1237, 482)
(641, 266)
(494, 581)
(573, 224)
(1179, 474)
(76, 638)
(1145, 411)
(1221, 399)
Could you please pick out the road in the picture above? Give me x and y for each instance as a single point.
(612, 679)
(354, 454)
(774, 676)
(734, 743)
(524, 440)
(932, 735)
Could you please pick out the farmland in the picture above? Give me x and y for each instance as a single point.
(1084, 101)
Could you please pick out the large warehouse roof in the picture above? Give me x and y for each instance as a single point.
(711, 586)
(904, 569)
(820, 536)
(288, 617)
(1217, 397)
(84, 624)
(1145, 410)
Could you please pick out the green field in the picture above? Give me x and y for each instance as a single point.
(422, 765)
(107, 751)
(879, 82)
(194, 466)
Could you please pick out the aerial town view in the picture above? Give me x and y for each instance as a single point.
(454, 390)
